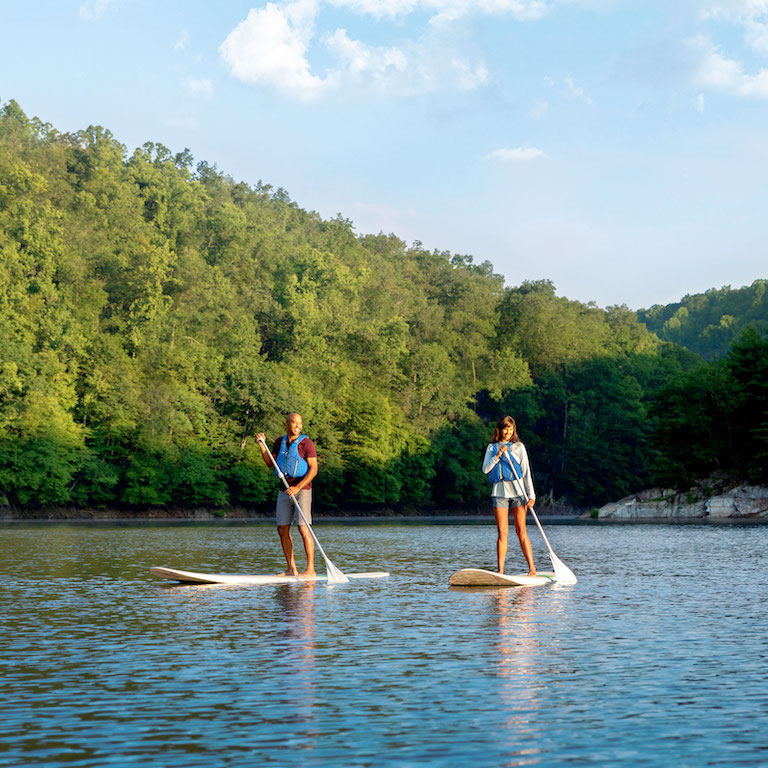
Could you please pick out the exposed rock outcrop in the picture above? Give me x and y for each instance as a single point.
(738, 501)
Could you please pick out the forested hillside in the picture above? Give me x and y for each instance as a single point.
(708, 323)
(155, 314)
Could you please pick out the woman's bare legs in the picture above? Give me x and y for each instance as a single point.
(519, 514)
(502, 524)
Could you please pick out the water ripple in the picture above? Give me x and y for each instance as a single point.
(656, 657)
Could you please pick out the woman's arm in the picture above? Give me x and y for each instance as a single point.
(527, 478)
(491, 459)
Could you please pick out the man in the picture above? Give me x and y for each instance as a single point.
(296, 456)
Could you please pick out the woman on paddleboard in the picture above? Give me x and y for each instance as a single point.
(507, 467)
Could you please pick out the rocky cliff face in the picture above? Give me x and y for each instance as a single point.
(740, 501)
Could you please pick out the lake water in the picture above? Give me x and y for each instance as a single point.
(657, 657)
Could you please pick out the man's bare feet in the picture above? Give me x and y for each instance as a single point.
(532, 572)
(288, 572)
(308, 574)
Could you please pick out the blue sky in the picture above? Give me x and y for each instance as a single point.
(618, 148)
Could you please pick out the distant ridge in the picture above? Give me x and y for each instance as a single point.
(707, 323)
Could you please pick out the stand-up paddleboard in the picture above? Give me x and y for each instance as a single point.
(190, 577)
(479, 577)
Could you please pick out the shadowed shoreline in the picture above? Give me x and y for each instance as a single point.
(265, 513)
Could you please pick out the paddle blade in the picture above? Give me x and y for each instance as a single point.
(335, 576)
(563, 574)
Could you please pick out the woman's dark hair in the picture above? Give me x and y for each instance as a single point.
(505, 421)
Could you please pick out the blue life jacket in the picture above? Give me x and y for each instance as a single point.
(502, 470)
(288, 458)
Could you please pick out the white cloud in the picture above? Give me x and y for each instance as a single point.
(182, 42)
(468, 76)
(270, 48)
(717, 72)
(594, 5)
(196, 87)
(366, 61)
(447, 10)
(451, 10)
(735, 9)
(517, 155)
(576, 92)
(378, 8)
(751, 15)
(414, 68)
(91, 10)
(699, 103)
(756, 34)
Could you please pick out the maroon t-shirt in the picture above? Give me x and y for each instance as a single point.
(307, 450)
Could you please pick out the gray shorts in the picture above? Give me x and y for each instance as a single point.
(286, 509)
(515, 501)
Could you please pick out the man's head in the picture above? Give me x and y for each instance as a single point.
(293, 425)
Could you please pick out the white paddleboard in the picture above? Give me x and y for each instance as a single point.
(479, 577)
(190, 577)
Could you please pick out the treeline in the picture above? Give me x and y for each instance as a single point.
(714, 418)
(708, 323)
(155, 314)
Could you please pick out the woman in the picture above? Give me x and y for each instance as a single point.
(512, 487)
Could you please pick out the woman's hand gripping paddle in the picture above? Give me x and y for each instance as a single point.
(335, 576)
(563, 574)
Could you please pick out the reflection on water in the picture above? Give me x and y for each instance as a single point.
(517, 647)
(103, 665)
(517, 651)
(297, 605)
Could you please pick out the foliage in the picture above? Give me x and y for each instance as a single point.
(708, 323)
(155, 314)
(714, 418)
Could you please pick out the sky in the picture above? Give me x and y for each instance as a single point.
(618, 148)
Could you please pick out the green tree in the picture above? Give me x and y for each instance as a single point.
(693, 426)
(747, 364)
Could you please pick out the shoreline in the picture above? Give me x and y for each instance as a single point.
(717, 499)
(378, 517)
(740, 504)
(265, 514)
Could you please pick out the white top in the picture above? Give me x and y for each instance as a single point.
(508, 489)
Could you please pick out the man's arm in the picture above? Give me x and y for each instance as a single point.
(261, 438)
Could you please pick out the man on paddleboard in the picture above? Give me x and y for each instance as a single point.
(296, 456)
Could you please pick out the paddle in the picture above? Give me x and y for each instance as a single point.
(563, 574)
(335, 576)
